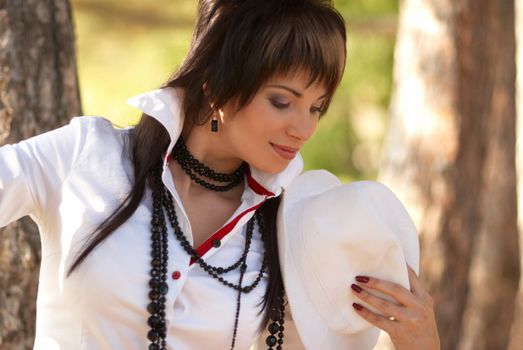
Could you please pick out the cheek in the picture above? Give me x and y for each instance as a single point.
(258, 113)
(260, 121)
(314, 128)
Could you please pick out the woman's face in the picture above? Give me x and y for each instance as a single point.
(269, 131)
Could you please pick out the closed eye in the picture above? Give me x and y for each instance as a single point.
(279, 104)
(317, 110)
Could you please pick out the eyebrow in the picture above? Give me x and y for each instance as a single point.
(294, 92)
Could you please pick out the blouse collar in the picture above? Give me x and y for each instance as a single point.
(165, 106)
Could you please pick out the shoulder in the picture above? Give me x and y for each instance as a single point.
(86, 141)
(65, 144)
(93, 125)
(74, 135)
(99, 133)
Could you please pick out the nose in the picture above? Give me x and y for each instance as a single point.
(302, 126)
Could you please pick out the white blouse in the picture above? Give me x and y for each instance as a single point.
(69, 180)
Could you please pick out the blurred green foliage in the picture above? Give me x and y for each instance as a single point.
(366, 9)
(125, 48)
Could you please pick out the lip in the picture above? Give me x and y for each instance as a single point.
(285, 152)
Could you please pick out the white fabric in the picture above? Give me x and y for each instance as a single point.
(329, 233)
(69, 180)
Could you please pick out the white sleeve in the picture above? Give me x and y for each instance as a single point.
(32, 171)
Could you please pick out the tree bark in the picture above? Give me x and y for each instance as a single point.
(450, 155)
(38, 92)
(494, 277)
(516, 336)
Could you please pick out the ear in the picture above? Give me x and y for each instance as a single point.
(205, 90)
(221, 114)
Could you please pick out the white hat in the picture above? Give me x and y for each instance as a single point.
(328, 234)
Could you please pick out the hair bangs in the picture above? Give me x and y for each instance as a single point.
(305, 47)
(239, 45)
(298, 39)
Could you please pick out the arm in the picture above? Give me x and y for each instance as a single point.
(32, 171)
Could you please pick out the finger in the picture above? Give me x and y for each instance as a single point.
(385, 307)
(373, 318)
(417, 287)
(401, 294)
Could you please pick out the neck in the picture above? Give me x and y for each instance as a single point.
(210, 148)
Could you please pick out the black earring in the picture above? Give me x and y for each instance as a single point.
(214, 124)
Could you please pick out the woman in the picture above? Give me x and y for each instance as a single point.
(164, 235)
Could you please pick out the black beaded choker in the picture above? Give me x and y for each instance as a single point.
(163, 202)
(194, 167)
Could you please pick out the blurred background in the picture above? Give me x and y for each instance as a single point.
(428, 105)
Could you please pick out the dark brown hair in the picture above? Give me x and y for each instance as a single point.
(236, 47)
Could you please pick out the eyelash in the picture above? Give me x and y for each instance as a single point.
(318, 110)
(281, 106)
(278, 104)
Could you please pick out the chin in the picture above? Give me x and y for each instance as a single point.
(272, 167)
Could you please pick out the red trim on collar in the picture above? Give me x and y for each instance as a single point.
(254, 185)
(207, 244)
(167, 157)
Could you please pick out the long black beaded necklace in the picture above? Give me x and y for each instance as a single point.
(162, 200)
(159, 258)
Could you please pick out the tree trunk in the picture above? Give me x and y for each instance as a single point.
(516, 337)
(450, 156)
(38, 92)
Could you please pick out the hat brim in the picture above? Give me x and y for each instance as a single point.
(314, 332)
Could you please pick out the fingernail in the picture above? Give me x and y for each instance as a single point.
(356, 288)
(357, 306)
(362, 279)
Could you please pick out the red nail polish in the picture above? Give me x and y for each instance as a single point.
(362, 279)
(357, 306)
(356, 288)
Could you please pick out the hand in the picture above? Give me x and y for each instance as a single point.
(410, 321)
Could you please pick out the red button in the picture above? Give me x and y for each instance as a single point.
(176, 275)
